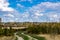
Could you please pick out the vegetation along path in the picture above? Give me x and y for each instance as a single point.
(18, 37)
(30, 38)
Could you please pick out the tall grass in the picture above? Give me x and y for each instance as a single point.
(23, 36)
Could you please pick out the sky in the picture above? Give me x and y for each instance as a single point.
(30, 10)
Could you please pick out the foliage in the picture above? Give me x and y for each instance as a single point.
(6, 32)
(33, 27)
(16, 38)
(23, 36)
(44, 29)
(1, 31)
(37, 37)
(34, 30)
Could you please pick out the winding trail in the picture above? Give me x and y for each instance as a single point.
(19, 38)
(30, 38)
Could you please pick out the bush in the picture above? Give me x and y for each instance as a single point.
(1, 31)
(6, 32)
(34, 30)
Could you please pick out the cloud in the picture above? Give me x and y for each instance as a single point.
(39, 14)
(9, 15)
(4, 6)
(22, 0)
(54, 16)
(45, 11)
(25, 15)
(42, 12)
(11, 20)
(13, 16)
(25, 1)
(19, 5)
(44, 6)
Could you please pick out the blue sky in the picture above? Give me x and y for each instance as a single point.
(30, 10)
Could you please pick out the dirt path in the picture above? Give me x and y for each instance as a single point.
(19, 38)
(30, 38)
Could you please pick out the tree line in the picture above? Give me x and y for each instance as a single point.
(33, 27)
(48, 28)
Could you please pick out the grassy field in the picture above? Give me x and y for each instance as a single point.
(23, 36)
(37, 37)
(32, 35)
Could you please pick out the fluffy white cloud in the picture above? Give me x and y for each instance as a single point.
(40, 12)
(47, 9)
(25, 15)
(54, 16)
(9, 15)
(4, 6)
(11, 20)
(44, 6)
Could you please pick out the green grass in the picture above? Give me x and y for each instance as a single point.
(23, 36)
(16, 38)
(32, 35)
(37, 37)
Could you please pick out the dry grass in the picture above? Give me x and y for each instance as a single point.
(50, 37)
(7, 38)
